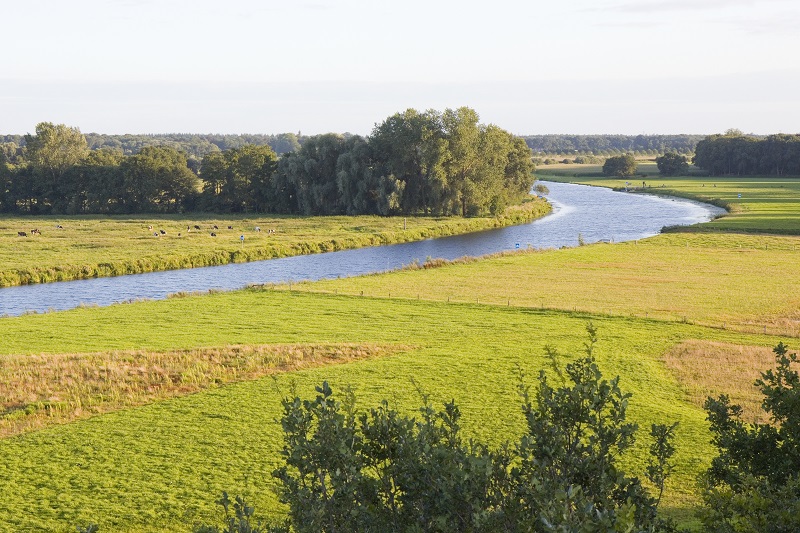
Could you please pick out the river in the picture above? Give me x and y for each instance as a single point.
(593, 213)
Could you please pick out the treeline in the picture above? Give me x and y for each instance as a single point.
(440, 163)
(194, 145)
(609, 145)
(734, 153)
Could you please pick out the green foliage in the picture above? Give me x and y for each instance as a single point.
(622, 166)
(414, 163)
(611, 144)
(240, 520)
(737, 154)
(382, 471)
(672, 164)
(753, 484)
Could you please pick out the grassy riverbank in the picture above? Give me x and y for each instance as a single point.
(192, 406)
(87, 247)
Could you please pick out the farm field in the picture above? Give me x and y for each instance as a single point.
(93, 246)
(198, 379)
(161, 465)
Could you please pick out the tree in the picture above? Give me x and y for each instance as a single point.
(754, 482)
(672, 164)
(623, 166)
(51, 152)
(158, 180)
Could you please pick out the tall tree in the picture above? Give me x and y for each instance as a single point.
(158, 180)
(51, 152)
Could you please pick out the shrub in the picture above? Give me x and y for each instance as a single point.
(754, 482)
(384, 471)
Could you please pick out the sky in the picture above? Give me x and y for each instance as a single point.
(528, 66)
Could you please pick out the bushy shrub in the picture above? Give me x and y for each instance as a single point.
(383, 471)
(754, 482)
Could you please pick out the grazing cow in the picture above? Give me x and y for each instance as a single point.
(155, 233)
(22, 234)
(197, 227)
(230, 227)
(162, 232)
(36, 232)
(179, 234)
(258, 229)
(213, 234)
(59, 227)
(215, 226)
(150, 228)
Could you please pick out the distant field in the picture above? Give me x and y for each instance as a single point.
(160, 466)
(768, 204)
(734, 281)
(92, 246)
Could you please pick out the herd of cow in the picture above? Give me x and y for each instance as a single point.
(35, 231)
(150, 228)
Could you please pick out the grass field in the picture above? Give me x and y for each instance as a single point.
(92, 246)
(197, 380)
(161, 465)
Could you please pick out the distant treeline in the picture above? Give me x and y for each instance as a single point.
(737, 154)
(412, 163)
(194, 145)
(609, 145)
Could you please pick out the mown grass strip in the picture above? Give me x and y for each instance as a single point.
(97, 246)
(707, 368)
(41, 390)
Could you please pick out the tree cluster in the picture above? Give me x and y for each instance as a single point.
(194, 145)
(737, 154)
(672, 164)
(609, 145)
(622, 166)
(413, 163)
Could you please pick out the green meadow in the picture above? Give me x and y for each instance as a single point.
(678, 316)
(93, 246)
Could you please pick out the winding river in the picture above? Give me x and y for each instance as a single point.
(593, 213)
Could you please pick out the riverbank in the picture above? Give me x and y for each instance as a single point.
(755, 204)
(73, 248)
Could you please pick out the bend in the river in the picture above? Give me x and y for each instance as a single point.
(583, 213)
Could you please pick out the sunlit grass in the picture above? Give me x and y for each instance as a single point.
(160, 466)
(92, 246)
(727, 281)
(42, 390)
(707, 368)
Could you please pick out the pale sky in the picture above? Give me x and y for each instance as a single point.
(248, 66)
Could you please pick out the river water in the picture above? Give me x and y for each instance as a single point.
(594, 213)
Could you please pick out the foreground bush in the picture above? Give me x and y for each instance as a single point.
(753, 485)
(383, 471)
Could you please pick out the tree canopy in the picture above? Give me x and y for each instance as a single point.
(734, 153)
(672, 164)
(443, 163)
(623, 166)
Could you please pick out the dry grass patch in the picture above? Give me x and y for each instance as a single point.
(706, 368)
(41, 390)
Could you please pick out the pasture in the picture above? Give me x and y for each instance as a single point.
(93, 246)
(161, 465)
(193, 405)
